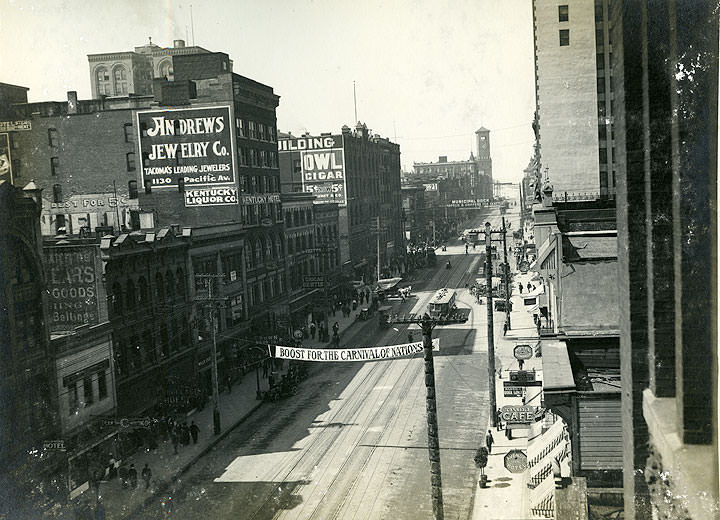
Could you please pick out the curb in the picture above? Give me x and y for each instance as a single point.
(163, 486)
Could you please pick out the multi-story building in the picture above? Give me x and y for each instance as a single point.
(573, 47)
(27, 391)
(413, 201)
(132, 72)
(361, 174)
(665, 83)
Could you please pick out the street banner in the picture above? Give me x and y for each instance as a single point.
(352, 354)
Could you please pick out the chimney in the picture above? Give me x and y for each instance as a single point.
(72, 102)
(442, 158)
(179, 44)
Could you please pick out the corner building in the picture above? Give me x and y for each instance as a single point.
(359, 172)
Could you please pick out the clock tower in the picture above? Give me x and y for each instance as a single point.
(484, 162)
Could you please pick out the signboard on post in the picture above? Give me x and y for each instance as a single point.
(522, 376)
(513, 391)
(515, 461)
(192, 144)
(322, 162)
(523, 352)
(312, 281)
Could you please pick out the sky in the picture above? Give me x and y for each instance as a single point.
(427, 73)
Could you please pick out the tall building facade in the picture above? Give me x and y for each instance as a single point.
(665, 81)
(573, 48)
(359, 172)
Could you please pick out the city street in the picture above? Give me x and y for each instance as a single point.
(354, 439)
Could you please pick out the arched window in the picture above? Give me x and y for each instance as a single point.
(159, 289)
(164, 345)
(170, 285)
(120, 80)
(180, 279)
(268, 248)
(258, 252)
(278, 247)
(298, 245)
(165, 69)
(116, 299)
(248, 257)
(102, 82)
(143, 295)
(130, 296)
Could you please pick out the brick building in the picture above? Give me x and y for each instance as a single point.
(361, 174)
(665, 80)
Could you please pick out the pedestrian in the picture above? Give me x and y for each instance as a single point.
(489, 441)
(312, 329)
(520, 286)
(132, 476)
(112, 468)
(228, 382)
(335, 327)
(505, 327)
(123, 474)
(194, 430)
(185, 434)
(174, 438)
(354, 304)
(410, 336)
(498, 419)
(147, 475)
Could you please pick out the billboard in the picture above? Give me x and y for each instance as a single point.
(193, 144)
(73, 286)
(219, 196)
(322, 161)
(5, 161)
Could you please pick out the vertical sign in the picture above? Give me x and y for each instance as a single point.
(5, 160)
(194, 145)
(72, 284)
(322, 161)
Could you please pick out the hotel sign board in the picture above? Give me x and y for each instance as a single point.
(322, 166)
(193, 144)
(13, 126)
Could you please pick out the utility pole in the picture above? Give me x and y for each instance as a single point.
(490, 325)
(210, 303)
(506, 268)
(427, 324)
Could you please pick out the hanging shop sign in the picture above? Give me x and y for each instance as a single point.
(193, 144)
(513, 391)
(515, 461)
(353, 354)
(522, 376)
(521, 414)
(523, 352)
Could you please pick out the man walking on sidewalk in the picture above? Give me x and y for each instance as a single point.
(194, 430)
(489, 441)
(147, 475)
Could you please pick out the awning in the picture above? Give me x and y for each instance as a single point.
(557, 372)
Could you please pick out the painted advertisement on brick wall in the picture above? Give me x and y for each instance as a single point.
(75, 293)
(191, 145)
(322, 166)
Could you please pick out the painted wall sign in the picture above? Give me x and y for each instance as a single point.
(220, 196)
(195, 144)
(322, 161)
(72, 285)
(250, 200)
(12, 126)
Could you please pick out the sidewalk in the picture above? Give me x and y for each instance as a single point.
(167, 466)
(507, 495)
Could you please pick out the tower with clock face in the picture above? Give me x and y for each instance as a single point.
(484, 162)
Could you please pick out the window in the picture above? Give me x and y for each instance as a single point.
(87, 391)
(601, 85)
(165, 69)
(240, 127)
(564, 37)
(253, 184)
(253, 157)
(242, 179)
(72, 398)
(563, 13)
(130, 161)
(120, 81)
(54, 165)
(57, 193)
(261, 131)
(53, 137)
(128, 129)
(132, 190)
(263, 159)
(297, 168)
(243, 156)
(102, 81)
(252, 130)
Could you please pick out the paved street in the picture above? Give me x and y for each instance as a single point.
(353, 442)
